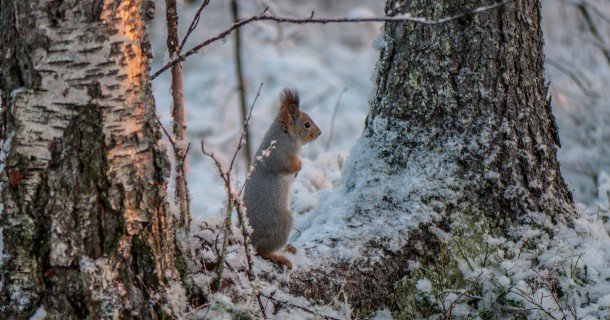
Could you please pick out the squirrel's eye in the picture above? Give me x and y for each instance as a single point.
(307, 124)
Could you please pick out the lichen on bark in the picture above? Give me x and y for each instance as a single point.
(459, 129)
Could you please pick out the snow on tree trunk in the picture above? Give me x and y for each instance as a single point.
(86, 232)
(459, 132)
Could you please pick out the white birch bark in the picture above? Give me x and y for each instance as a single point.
(85, 226)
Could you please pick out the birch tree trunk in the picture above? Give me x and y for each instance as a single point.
(85, 228)
(459, 133)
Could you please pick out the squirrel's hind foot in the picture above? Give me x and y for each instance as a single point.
(290, 249)
(281, 260)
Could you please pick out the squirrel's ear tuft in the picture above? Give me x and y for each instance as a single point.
(289, 101)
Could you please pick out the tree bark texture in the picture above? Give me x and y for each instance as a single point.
(480, 81)
(460, 125)
(86, 231)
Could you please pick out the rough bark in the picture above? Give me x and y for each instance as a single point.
(461, 110)
(479, 80)
(86, 231)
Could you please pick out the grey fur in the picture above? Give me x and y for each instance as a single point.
(267, 193)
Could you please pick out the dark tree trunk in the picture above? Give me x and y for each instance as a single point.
(474, 88)
(459, 133)
(86, 231)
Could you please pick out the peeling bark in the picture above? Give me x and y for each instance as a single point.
(463, 106)
(86, 229)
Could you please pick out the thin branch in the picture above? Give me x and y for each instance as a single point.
(244, 130)
(217, 162)
(582, 8)
(194, 23)
(260, 305)
(155, 300)
(241, 87)
(591, 6)
(332, 120)
(169, 137)
(234, 200)
(263, 16)
(299, 307)
(565, 70)
(258, 159)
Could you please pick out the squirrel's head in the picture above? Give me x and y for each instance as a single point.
(296, 123)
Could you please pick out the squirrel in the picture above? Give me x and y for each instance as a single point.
(267, 192)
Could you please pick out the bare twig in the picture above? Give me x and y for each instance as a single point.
(332, 120)
(461, 293)
(244, 131)
(264, 154)
(194, 23)
(234, 201)
(589, 5)
(263, 16)
(529, 298)
(169, 136)
(270, 297)
(154, 299)
(260, 305)
(226, 178)
(584, 11)
(539, 305)
(577, 80)
(241, 88)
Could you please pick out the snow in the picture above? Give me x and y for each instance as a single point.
(351, 213)
(322, 61)
(424, 285)
(40, 314)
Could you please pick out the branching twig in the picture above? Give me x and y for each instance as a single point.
(234, 201)
(529, 298)
(577, 80)
(246, 121)
(258, 159)
(194, 23)
(263, 16)
(539, 305)
(462, 293)
(584, 11)
(589, 5)
(155, 300)
(299, 307)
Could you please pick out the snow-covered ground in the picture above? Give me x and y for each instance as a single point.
(332, 65)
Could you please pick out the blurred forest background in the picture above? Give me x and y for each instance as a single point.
(332, 67)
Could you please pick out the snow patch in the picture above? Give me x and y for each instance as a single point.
(424, 285)
(40, 314)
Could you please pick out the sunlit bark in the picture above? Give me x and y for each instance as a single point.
(85, 225)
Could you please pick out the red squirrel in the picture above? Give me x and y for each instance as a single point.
(267, 192)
